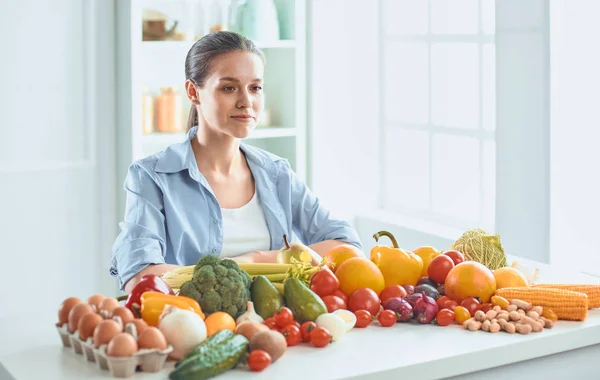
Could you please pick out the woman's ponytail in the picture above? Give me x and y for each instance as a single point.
(192, 118)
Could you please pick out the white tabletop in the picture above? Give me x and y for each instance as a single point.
(30, 348)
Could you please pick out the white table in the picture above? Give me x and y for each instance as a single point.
(32, 350)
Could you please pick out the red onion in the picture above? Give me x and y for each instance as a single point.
(400, 306)
(413, 298)
(425, 309)
(410, 289)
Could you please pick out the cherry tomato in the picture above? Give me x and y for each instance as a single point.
(457, 257)
(485, 307)
(320, 337)
(297, 324)
(283, 317)
(500, 301)
(270, 323)
(471, 304)
(439, 267)
(392, 291)
(324, 282)
(292, 335)
(461, 314)
(450, 305)
(442, 301)
(305, 330)
(258, 360)
(387, 318)
(363, 318)
(444, 317)
(333, 303)
(364, 299)
(339, 293)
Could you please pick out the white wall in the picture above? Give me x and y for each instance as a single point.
(575, 135)
(56, 152)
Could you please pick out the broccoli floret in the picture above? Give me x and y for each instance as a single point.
(219, 285)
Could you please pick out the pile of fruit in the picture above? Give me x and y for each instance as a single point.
(218, 315)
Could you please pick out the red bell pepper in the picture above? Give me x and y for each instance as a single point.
(149, 282)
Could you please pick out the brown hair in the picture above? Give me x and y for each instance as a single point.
(201, 54)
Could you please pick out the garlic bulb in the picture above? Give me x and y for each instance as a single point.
(250, 315)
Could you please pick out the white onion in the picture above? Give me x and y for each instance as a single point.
(348, 317)
(332, 323)
(183, 329)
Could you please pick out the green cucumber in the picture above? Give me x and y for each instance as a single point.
(212, 362)
(209, 344)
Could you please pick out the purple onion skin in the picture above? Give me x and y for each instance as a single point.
(413, 298)
(400, 306)
(410, 289)
(426, 280)
(425, 309)
(428, 290)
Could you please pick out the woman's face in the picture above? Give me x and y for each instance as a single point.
(232, 98)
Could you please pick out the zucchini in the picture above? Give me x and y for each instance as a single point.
(209, 344)
(212, 362)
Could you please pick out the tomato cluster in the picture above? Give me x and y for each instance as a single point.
(294, 333)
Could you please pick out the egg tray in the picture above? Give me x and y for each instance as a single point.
(148, 360)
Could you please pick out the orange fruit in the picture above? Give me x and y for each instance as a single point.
(470, 279)
(507, 277)
(219, 321)
(358, 273)
(426, 254)
(340, 253)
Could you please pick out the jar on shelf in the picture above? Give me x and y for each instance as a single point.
(147, 112)
(169, 111)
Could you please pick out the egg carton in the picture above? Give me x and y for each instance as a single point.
(148, 360)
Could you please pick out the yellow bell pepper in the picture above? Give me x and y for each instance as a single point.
(153, 304)
(398, 266)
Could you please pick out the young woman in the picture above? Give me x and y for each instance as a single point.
(212, 194)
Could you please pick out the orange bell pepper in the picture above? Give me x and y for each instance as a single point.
(153, 304)
(398, 266)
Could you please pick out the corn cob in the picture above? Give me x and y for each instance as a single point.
(592, 291)
(279, 286)
(567, 305)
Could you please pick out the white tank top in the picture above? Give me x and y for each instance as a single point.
(245, 229)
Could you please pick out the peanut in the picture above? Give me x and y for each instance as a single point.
(491, 314)
(526, 306)
(542, 322)
(494, 320)
(548, 324)
(485, 326)
(503, 315)
(479, 316)
(474, 325)
(506, 326)
(538, 309)
(510, 308)
(466, 323)
(522, 328)
(514, 316)
(521, 311)
(527, 320)
(497, 308)
(533, 315)
(537, 327)
(494, 327)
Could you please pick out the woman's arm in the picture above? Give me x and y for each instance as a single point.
(157, 269)
(317, 251)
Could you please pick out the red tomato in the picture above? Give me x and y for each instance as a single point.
(333, 303)
(342, 295)
(387, 318)
(324, 282)
(363, 318)
(392, 291)
(297, 324)
(471, 304)
(305, 330)
(270, 323)
(320, 337)
(439, 268)
(441, 301)
(258, 360)
(450, 305)
(364, 299)
(292, 335)
(457, 257)
(283, 317)
(444, 317)
(485, 307)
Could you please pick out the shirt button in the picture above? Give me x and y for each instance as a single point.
(215, 221)
(214, 250)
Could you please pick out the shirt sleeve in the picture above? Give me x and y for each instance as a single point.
(141, 241)
(311, 221)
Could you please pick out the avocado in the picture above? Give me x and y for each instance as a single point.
(305, 304)
(265, 296)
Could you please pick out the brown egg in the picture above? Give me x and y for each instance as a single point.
(76, 313)
(122, 345)
(124, 313)
(152, 338)
(65, 308)
(105, 331)
(140, 325)
(95, 300)
(108, 304)
(87, 324)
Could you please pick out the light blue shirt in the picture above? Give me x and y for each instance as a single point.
(172, 215)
